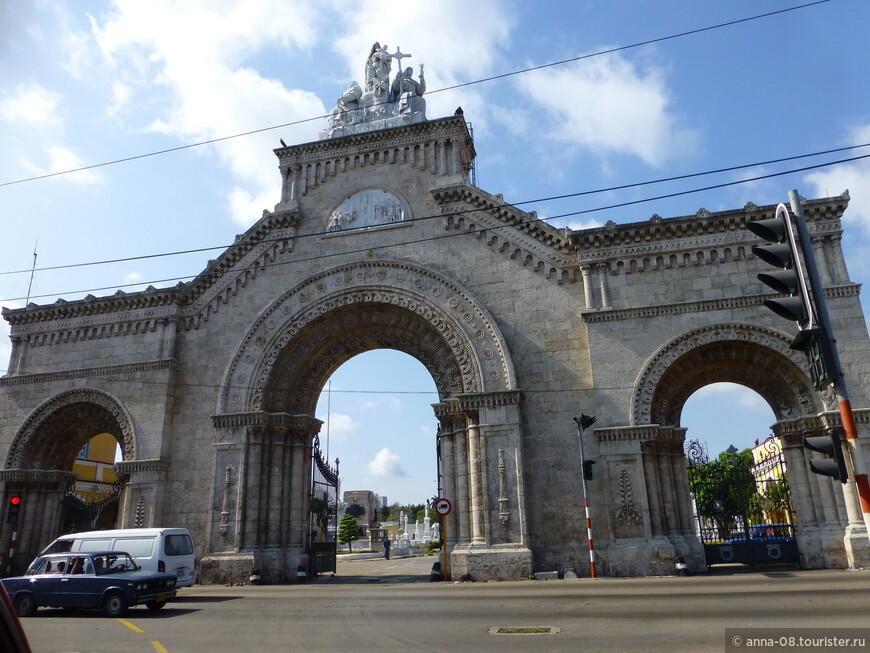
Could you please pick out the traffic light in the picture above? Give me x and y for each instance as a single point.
(587, 469)
(789, 278)
(835, 466)
(14, 509)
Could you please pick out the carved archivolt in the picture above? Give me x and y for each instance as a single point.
(48, 438)
(312, 329)
(754, 356)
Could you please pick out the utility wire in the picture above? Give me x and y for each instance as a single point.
(440, 90)
(319, 257)
(467, 211)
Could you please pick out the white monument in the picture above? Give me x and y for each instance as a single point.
(383, 103)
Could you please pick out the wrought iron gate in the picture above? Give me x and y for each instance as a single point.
(743, 504)
(323, 513)
(80, 515)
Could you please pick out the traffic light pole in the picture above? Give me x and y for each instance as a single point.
(580, 421)
(858, 469)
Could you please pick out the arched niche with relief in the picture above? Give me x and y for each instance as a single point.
(368, 208)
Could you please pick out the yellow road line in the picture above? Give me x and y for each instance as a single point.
(131, 626)
(159, 647)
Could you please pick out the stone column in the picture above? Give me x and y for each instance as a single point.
(602, 282)
(460, 451)
(476, 481)
(587, 286)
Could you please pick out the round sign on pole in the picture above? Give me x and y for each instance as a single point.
(443, 507)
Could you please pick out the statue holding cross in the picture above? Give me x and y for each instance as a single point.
(380, 100)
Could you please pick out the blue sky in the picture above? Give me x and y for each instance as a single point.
(88, 83)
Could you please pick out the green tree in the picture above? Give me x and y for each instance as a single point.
(725, 489)
(348, 530)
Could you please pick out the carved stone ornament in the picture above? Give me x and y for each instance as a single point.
(627, 512)
(367, 208)
(384, 101)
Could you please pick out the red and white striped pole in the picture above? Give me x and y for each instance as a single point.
(589, 537)
(584, 422)
(13, 542)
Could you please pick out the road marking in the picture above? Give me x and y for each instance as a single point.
(131, 626)
(159, 647)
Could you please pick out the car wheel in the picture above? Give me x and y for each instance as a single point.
(154, 606)
(24, 605)
(113, 604)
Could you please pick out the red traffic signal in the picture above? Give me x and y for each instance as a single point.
(14, 509)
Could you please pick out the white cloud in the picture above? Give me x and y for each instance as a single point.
(852, 176)
(195, 52)
(339, 425)
(386, 463)
(610, 105)
(62, 159)
(31, 103)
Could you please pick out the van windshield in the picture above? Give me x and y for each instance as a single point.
(59, 546)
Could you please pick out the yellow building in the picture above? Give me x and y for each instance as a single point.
(771, 477)
(95, 465)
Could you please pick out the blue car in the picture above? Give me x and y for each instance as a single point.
(108, 580)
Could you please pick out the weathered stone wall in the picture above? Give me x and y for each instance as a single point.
(523, 326)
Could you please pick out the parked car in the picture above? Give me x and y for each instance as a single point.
(765, 533)
(109, 580)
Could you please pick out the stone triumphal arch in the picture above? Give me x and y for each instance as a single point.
(379, 239)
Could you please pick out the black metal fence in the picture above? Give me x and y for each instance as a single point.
(743, 504)
(323, 513)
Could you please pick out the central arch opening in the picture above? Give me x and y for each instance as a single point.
(378, 421)
(738, 477)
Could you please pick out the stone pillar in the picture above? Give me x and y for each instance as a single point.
(587, 286)
(144, 492)
(476, 493)
(602, 282)
(261, 505)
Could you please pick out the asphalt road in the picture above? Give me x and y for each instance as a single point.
(385, 606)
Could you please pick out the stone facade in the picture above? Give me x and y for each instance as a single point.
(379, 240)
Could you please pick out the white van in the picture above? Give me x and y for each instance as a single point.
(154, 549)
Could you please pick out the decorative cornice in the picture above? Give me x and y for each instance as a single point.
(641, 433)
(505, 229)
(265, 419)
(489, 399)
(129, 307)
(42, 476)
(270, 236)
(89, 372)
(128, 467)
(374, 140)
(725, 304)
(634, 238)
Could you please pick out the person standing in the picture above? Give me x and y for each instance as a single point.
(386, 546)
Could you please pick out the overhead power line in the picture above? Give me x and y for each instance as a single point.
(319, 257)
(483, 80)
(596, 191)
